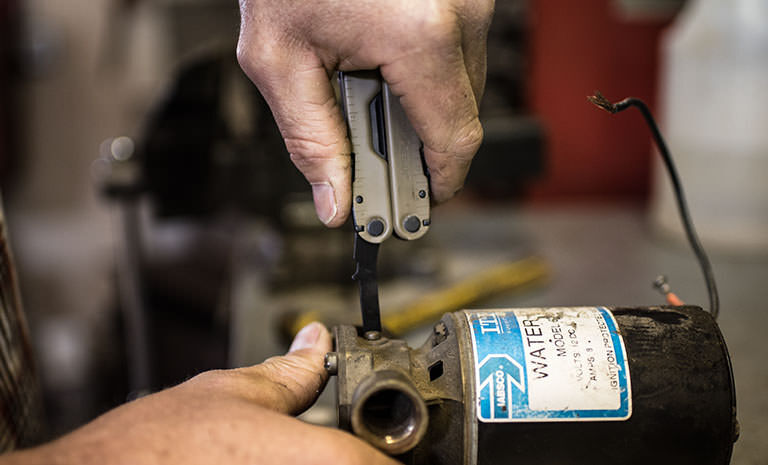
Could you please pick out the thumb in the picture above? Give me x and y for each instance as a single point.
(297, 87)
(296, 379)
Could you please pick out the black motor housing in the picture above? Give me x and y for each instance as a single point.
(684, 408)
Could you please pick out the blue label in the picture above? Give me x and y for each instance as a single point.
(549, 364)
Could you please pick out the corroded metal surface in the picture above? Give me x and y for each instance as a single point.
(433, 371)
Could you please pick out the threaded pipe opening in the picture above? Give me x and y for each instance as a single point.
(389, 413)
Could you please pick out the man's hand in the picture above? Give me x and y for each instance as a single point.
(431, 52)
(220, 417)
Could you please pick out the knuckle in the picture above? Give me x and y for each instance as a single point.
(309, 153)
(278, 389)
(306, 153)
(436, 25)
(243, 55)
(462, 145)
(256, 55)
(468, 139)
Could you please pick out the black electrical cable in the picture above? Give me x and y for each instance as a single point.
(682, 206)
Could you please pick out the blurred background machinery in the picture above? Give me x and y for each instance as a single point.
(193, 233)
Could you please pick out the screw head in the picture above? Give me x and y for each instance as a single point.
(331, 363)
(422, 194)
(359, 199)
(372, 335)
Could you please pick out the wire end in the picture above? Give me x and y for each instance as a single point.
(682, 205)
(662, 285)
(601, 102)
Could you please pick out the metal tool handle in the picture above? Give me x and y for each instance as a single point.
(371, 209)
(390, 188)
(409, 187)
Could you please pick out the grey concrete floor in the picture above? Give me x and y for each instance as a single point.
(608, 256)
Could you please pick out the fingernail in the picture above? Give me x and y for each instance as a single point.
(307, 337)
(325, 201)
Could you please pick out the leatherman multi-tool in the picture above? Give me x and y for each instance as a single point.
(390, 184)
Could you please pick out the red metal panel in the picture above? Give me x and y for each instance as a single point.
(577, 47)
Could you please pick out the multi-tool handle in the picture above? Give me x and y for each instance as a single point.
(390, 188)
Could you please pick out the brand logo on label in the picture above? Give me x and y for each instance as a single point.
(490, 323)
(500, 372)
